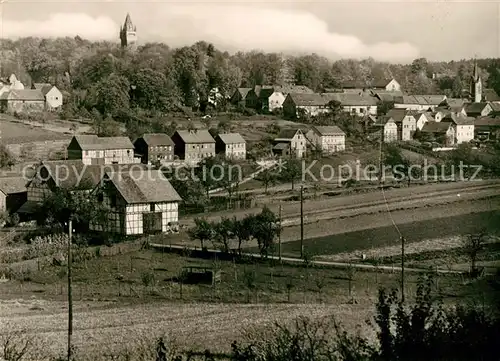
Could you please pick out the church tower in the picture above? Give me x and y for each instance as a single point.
(476, 85)
(128, 34)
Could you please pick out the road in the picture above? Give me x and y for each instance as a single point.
(370, 202)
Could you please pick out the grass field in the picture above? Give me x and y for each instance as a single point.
(16, 132)
(388, 235)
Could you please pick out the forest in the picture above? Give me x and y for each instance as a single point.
(157, 79)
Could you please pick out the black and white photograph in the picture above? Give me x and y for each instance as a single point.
(249, 181)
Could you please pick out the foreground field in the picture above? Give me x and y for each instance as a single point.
(118, 305)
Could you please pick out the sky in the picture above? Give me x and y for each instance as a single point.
(394, 31)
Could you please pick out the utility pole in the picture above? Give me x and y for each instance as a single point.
(70, 300)
(402, 269)
(279, 236)
(301, 221)
(381, 162)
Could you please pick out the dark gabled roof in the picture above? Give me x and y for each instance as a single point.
(422, 99)
(154, 139)
(328, 130)
(459, 119)
(495, 107)
(490, 95)
(68, 174)
(303, 99)
(285, 90)
(281, 146)
(383, 120)
(436, 127)
(231, 138)
(12, 185)
(475, 107)
(93, 142)
(143, 186)
(43, 87)
(397, 114)
(347, 99)
(287, 133)
(455, 102)
(258, 88)
(354, 84)
(23, 94)
(380, 83)
(487, 122)
(195, 136)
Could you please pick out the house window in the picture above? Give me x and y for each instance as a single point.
(86, 152)
(112, 200)
(151, 207)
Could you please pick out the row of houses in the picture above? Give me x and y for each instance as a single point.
(41, 97)
(190, 146)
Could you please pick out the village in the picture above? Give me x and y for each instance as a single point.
(130, 203)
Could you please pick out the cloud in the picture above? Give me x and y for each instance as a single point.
(232, 27)
(63, 24)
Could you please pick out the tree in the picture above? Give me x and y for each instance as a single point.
(224, 232)
(462, 157)
(6, 158)
(202, 231)
(292, 172)
(242, 229)
(473, 244)
(111, 95)
(268, 178)
(384, 107)
(265, 230)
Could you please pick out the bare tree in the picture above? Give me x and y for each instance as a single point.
(473, 244)
(16, 345)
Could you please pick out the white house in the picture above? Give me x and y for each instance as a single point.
(232, 145)
(329, 139)
(386, 84)
(405, 121)
(355, 104)
(422, 118)
(390, 129)
(292, 141)
(139, 202)
(92, 149)
(462, 126)
(53, 96)
(273, 98)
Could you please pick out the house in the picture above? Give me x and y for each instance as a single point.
(422, 118)
(22, 101)
(495, 108)
(53, 96)
(232, 145)
(487, 128)
(239, 96)
(463, 127)
(405, 121)
(271, 98)
(390, 129)
(490, 95)
(154, 147)
(290, 142)
(192, 146)
(329, 139)
(357, 104)
(252, 99)
(139, 202)
(73, 175)
(441, 132)
(13, 193)
(310, 104)
(390, 85)
(419, 102)
(478, 109)
(455, 105)
(91, 149)
(439, 113)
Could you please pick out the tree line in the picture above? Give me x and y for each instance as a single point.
(160, 79)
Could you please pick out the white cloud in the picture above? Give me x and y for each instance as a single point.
(63, 24)
(227, 26)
